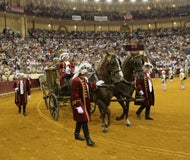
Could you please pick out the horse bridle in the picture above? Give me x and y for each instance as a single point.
(111, 74)
(136, 70)
(96, 74)
(133, 64)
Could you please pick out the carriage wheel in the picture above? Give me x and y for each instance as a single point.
(53, 107)
(45, 96)
(92, 107)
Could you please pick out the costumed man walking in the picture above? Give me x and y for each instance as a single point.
(171, 74)
(80, 102)
(66, 68)
(22, 91)
(164, 80)
(182, 78)
(145, 88)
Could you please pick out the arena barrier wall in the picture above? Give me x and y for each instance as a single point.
(7, 87)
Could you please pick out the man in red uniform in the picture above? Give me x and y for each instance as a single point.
(66, 68)
(80, 101)
(22, 91)
(145, 88)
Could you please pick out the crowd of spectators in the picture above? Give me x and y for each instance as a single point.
(56, 12)
(42, 10)
(33, 55)
(164, 48)
(167, 47)
(166, 12)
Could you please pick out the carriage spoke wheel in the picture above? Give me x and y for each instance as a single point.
(92, 107)
(45, 96)
(53, 107)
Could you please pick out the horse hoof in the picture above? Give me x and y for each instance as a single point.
(107, 125)
(128, 125)
(119, 118)
(105, 131)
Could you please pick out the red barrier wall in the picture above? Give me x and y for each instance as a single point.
(6, 87)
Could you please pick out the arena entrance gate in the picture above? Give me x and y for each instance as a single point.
(62, 28)
(125, 28)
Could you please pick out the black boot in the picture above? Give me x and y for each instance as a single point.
(89, 142)
(77, 131)
(138, 112)
(149, 118)
(147, 114)
(19, 110)
(78, 137)
(24, 110)
(138, 115)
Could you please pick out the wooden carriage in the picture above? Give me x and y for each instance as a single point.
(54, 95)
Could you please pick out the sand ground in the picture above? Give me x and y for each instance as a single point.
(38, 137)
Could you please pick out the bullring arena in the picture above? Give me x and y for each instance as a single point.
(38, 137)
(34, 36)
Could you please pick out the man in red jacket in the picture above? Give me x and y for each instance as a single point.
(22, 91)
(145, 87)
(66, 68)
(80, 101)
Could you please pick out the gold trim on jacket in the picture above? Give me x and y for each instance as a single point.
(85, 94)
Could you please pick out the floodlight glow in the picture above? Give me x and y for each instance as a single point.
(133, 1)
(145, 1)
(173, 5)
(109, 1)
(96, 0)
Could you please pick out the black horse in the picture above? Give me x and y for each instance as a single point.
(131, 67)
(108, 70)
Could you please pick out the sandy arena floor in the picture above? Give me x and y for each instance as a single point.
(38, 137)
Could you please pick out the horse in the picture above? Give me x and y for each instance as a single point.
(109, 70)
(131, 67)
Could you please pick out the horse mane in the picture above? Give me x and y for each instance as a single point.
(126, 61)
(130, 55)
(106, 58)
(126, 67)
